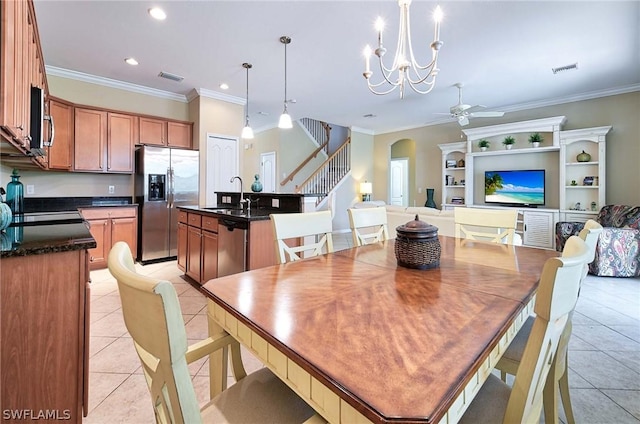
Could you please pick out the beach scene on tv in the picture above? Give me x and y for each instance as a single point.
(519, 187)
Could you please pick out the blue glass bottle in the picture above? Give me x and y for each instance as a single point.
(15, 194)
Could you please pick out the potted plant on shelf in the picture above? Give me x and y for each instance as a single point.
(508, 142)
(483, 145)
(535, 139)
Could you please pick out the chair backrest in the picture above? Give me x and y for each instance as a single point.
(373, 219)
(555, 300)
(493, 225)
(154, 320)
(590, 234)
(313, 227)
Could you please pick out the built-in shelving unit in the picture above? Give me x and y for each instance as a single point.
(453, 174)
(580, 201)
(557, 156)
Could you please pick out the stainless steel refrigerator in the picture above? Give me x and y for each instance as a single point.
(165, 178)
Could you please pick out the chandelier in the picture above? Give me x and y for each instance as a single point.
(405, 69)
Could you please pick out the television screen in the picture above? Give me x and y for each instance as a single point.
(524, 187)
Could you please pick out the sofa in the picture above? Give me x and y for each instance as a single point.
(618, 248)
(400, 215)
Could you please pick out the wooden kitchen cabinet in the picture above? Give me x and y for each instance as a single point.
(159, 132)
(45, 334)
(194, 252)
(103, 141)
(182, 245)
(60, 155)
(109, 226)
(21, 66)
(209, 254)
(198, 246)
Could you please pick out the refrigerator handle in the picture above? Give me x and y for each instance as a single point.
(172, 187)
(168, 189)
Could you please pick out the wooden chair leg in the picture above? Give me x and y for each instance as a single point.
(550, 397)
(566, 398)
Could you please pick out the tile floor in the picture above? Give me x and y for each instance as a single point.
(604, 357)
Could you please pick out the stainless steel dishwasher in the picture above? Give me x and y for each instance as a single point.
(232, 246)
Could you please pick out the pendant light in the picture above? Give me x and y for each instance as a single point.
(247, 132)
(285, 118)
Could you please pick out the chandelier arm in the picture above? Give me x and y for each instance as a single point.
(386, 73)
(381, 93)
(395, 84)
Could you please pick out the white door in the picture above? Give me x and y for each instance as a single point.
(398, 182)
(222, 165)
(268, 172)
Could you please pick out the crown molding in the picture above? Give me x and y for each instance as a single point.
(203, 92)
(111, 83)
(365, 131)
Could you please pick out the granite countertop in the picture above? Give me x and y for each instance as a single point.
(41, 233)
(232, 214)
(57, 204)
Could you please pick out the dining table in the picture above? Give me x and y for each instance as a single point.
(362, 339)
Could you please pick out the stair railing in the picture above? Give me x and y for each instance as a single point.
(304, 163)
(329, 174)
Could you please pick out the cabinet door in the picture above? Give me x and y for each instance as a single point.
(125, 229)
(194, 250)
(179, 135)
(61, 153)
(182, 246)
(90, 140)
(120, 143)
(153, 131)
(538, 229)
(209, 256)
(101, 232)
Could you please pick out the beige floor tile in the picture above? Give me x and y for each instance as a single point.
(97, 343)
(107, 303)
(130, 403)
(119, 357)
(591, 406)
(197, 328)
(102, 385)
(627, 399)
(602, 371)
(104, 287)
(112, 325)
(96, 316)
(192, 305)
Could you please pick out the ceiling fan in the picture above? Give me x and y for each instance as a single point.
(462, 112)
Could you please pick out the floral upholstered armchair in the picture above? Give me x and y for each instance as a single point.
(618, 249)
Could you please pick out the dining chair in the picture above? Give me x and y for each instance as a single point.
(555, 300)
(153, 318)
(311, 229)
(374, 223)
(493, 225)
(558, 376)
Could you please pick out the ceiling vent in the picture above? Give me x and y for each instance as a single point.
(172, 77)
(572, 67)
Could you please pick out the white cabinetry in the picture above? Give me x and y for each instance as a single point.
(453, 174)
(581, 200)
(538, 228)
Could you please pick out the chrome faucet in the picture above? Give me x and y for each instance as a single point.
(242, 200)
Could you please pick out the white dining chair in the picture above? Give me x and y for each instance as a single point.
(302, 235)
(494, 225)
(368, 225)
(555, 300)
(557, 382)
(153, 318)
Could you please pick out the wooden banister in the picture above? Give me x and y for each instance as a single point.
(303, 163)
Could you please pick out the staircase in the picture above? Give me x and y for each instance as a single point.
(331, 171)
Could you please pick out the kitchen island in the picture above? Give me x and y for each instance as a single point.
(44, 313)
(226, 239)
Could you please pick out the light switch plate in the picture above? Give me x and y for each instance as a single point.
(275, 203)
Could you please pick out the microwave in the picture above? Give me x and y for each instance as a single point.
(37, 118)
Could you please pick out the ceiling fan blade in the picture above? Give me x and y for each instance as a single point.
(487, 114)
(476, 108)
(463, 120)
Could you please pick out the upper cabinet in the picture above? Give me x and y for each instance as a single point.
(103, 141)
(61, 157)
(160, 132)
(21, 67)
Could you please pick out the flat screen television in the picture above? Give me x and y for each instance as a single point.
(514, 187)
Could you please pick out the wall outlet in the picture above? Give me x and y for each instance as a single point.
(31, 189)
(419, 190)
(112, 189)
(275, 203)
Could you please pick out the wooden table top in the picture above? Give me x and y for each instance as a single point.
(397, 344)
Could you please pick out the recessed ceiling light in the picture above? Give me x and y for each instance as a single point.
(131, 61)
(224, 86)
(157, 13)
